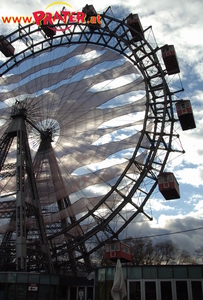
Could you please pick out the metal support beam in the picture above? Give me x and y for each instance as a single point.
(45, 250)
(17, 128)
(46, 152)
(21, 253)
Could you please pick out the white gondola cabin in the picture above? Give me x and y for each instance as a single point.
(170, 59)
(168, 186)
(118, 250)
(185, 114)
(5, 47)
(135, 27)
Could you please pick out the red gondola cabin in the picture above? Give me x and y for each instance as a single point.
(170, 59)
(48, 31)
(117, 250)
(135, 27)
(89, 10)
(91, 16)
(185, 114)
(6, 48)
(168, 186)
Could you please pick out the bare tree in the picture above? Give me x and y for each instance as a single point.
(142, 251)
(185, 257)
(198, 254)
(165, 252)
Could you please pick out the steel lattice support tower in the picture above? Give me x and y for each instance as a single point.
(17, 128)
(25, 178)
(46, 154)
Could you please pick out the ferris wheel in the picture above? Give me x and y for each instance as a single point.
(86, 126)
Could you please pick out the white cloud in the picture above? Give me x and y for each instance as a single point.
(199, 207)
(159, 205)
(192, 176)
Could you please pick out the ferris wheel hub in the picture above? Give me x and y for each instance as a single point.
(47, 135)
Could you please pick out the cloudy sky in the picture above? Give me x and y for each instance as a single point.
(177, 22)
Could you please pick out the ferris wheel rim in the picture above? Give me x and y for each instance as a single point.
(149, 89)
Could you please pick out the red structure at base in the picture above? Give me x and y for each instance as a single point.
(118, 250)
